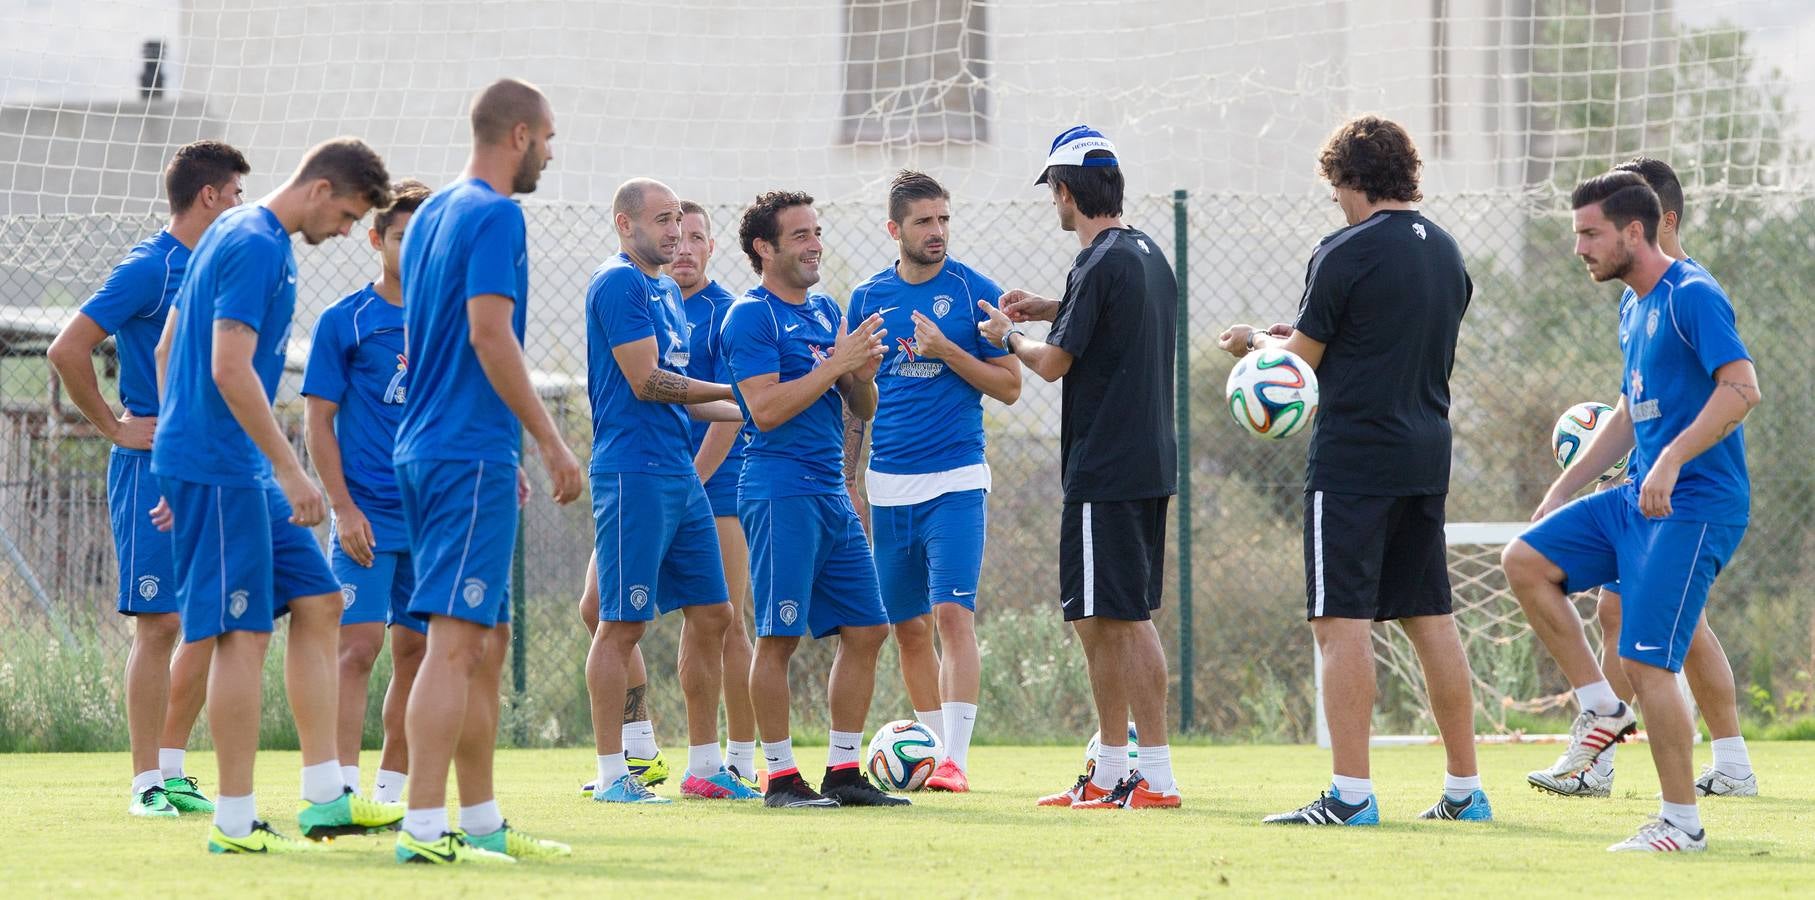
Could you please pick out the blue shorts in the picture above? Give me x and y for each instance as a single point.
(657, 545)
(239, 560)
(929, 552)
(147, 571)
(462, 519)
(721, 490)
(1665, 567)
(380, 593)
(810, 566)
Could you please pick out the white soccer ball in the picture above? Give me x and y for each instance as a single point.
(1096, 740)
(1272, 393)
(902, 755)
(1577, 424)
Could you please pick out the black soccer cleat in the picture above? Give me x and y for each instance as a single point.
(850, 788)
(791, 791)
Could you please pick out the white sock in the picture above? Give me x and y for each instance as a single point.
(611, 768)
(1460, 787)
(146, 780)
(1598, 698)
(170, 760)
(1682, 815)
(388, 786)
(426, 824)
(1156, 767)
(703, 760)
(1730, 757)
(845, 749)
(639, 739)
(780, 757)
(1352, 791)
(321, 783)
(481, 818)
(960, 718)
(349, 775)
(741, 755)
(1112, 765)
(934, 720)
(234, 815)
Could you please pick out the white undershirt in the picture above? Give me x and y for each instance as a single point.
(884, 489)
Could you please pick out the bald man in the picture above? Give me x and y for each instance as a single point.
(656, 543)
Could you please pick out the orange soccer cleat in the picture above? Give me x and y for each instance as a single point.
(1132, 793)
(950, 778)
(1082, 792)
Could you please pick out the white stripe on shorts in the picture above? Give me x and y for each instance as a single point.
(1090, 568)
(1694, 560)
(471, 522)
(1317, 551)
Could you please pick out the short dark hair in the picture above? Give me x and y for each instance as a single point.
(909, 186)
(1375, 156)
(1096, 189)
(502, 106)
(1623, 197)
(1662, 179)
(198, 165)
(690, 208)
(761, 221)
(352, 167)
(406, 196)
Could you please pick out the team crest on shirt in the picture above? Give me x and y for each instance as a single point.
(473, 592)
(1418, 229)
(393, 392)
(639, 596)
(148, 587)
(349, 593)
(1651, 324)
(941, 305)
(788, 611)
(237, 602)
(819, 315)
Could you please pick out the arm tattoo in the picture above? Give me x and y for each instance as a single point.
(853, 445)
(636, 704)
(664, 386)
(1748, 393)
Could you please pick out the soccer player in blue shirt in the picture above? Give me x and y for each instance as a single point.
(354, 389)
(792, 361)
(466, 288)
(202, 181)
(241, 501)
(1688, 385)
(927, 476)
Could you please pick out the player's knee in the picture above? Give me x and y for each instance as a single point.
(1525, 566)
(1607, 609)
(157, 631)
(955, 622)
(620, 637)
(863, 639)
(914, 634)
(358, 651)
(711, 619)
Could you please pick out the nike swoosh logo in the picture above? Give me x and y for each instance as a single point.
(1638, 646)
(435, 854)
(884, 312)
(843, 747)
(962, 593)
(790, 328)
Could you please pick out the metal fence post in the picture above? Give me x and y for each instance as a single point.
(1187, 662)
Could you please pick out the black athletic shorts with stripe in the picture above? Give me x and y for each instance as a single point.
(1379, 558)
(1112, 558)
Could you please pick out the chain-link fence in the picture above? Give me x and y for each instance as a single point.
(1538, 337)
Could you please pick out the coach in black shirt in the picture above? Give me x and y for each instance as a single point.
(1112, 342)
(1383, 301)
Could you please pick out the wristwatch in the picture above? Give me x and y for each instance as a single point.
(1251, 334)
(1008, 340)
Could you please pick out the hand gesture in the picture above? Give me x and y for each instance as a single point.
(522, 487)
(997, 328)
(135, 433)
(1655, 490)
(161, 517)
(1234, 340)
(307, 506)
(355, 533)
(1026, 306)
(860, 348)
(929, 341)
(563, 471)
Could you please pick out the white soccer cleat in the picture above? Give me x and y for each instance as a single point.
(1658, 835)
(1594, 781)
(1593, 733)
(1715, 783)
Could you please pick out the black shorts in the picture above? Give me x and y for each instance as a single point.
(1377, 558)
(1112, 559)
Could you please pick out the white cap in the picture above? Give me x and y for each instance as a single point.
(1072, 145)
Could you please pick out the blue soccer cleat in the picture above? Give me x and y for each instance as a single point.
(628, 789)
(1327, 810)
(1473, 808)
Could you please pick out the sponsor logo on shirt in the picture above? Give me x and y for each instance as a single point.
(678, 355)
(1646, 411)
(393, 392)
(908, 363)
(1638, 383)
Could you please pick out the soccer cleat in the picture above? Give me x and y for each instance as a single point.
(1327, 810)
(261, 840)
(1133, 793)
(652, 771)
(508, 841)
(1593, 733)
(187, 796)
(348, 813)
(1594, 781)
(850, 788)
(629, 789)
(1715, 783)
(949, 778)
(449, 848)
(589, 788)
(153, 802)
(1658, 835)
(1085, 790)
(722, 786)
(1474, 808)
(790, 791)
(758, 784)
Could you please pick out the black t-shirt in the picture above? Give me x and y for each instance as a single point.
(1386, 297)
(1117, 439)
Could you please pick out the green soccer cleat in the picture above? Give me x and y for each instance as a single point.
(261, 840)
(517, 845)
(187, 796)
(348, 814)
(445, 850)
(153, 802)
(652, 771)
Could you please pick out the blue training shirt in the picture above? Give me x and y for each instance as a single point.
(357, 361)
(624, 306)
(765, 334)
(464, 241)
(1672, 340)
(929, 419)
(706, 311)
(132, 305)
(243, 270)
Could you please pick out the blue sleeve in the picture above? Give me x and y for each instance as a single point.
(248, 280)
(326, 375)
(1705, 320)
(1327, 283)
(622, 307)
(498, 244)
(750, 343)
(982, 288)
(135, 287)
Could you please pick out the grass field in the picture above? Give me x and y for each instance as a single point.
(75, 838)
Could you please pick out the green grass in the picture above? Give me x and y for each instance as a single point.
(72, 836)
